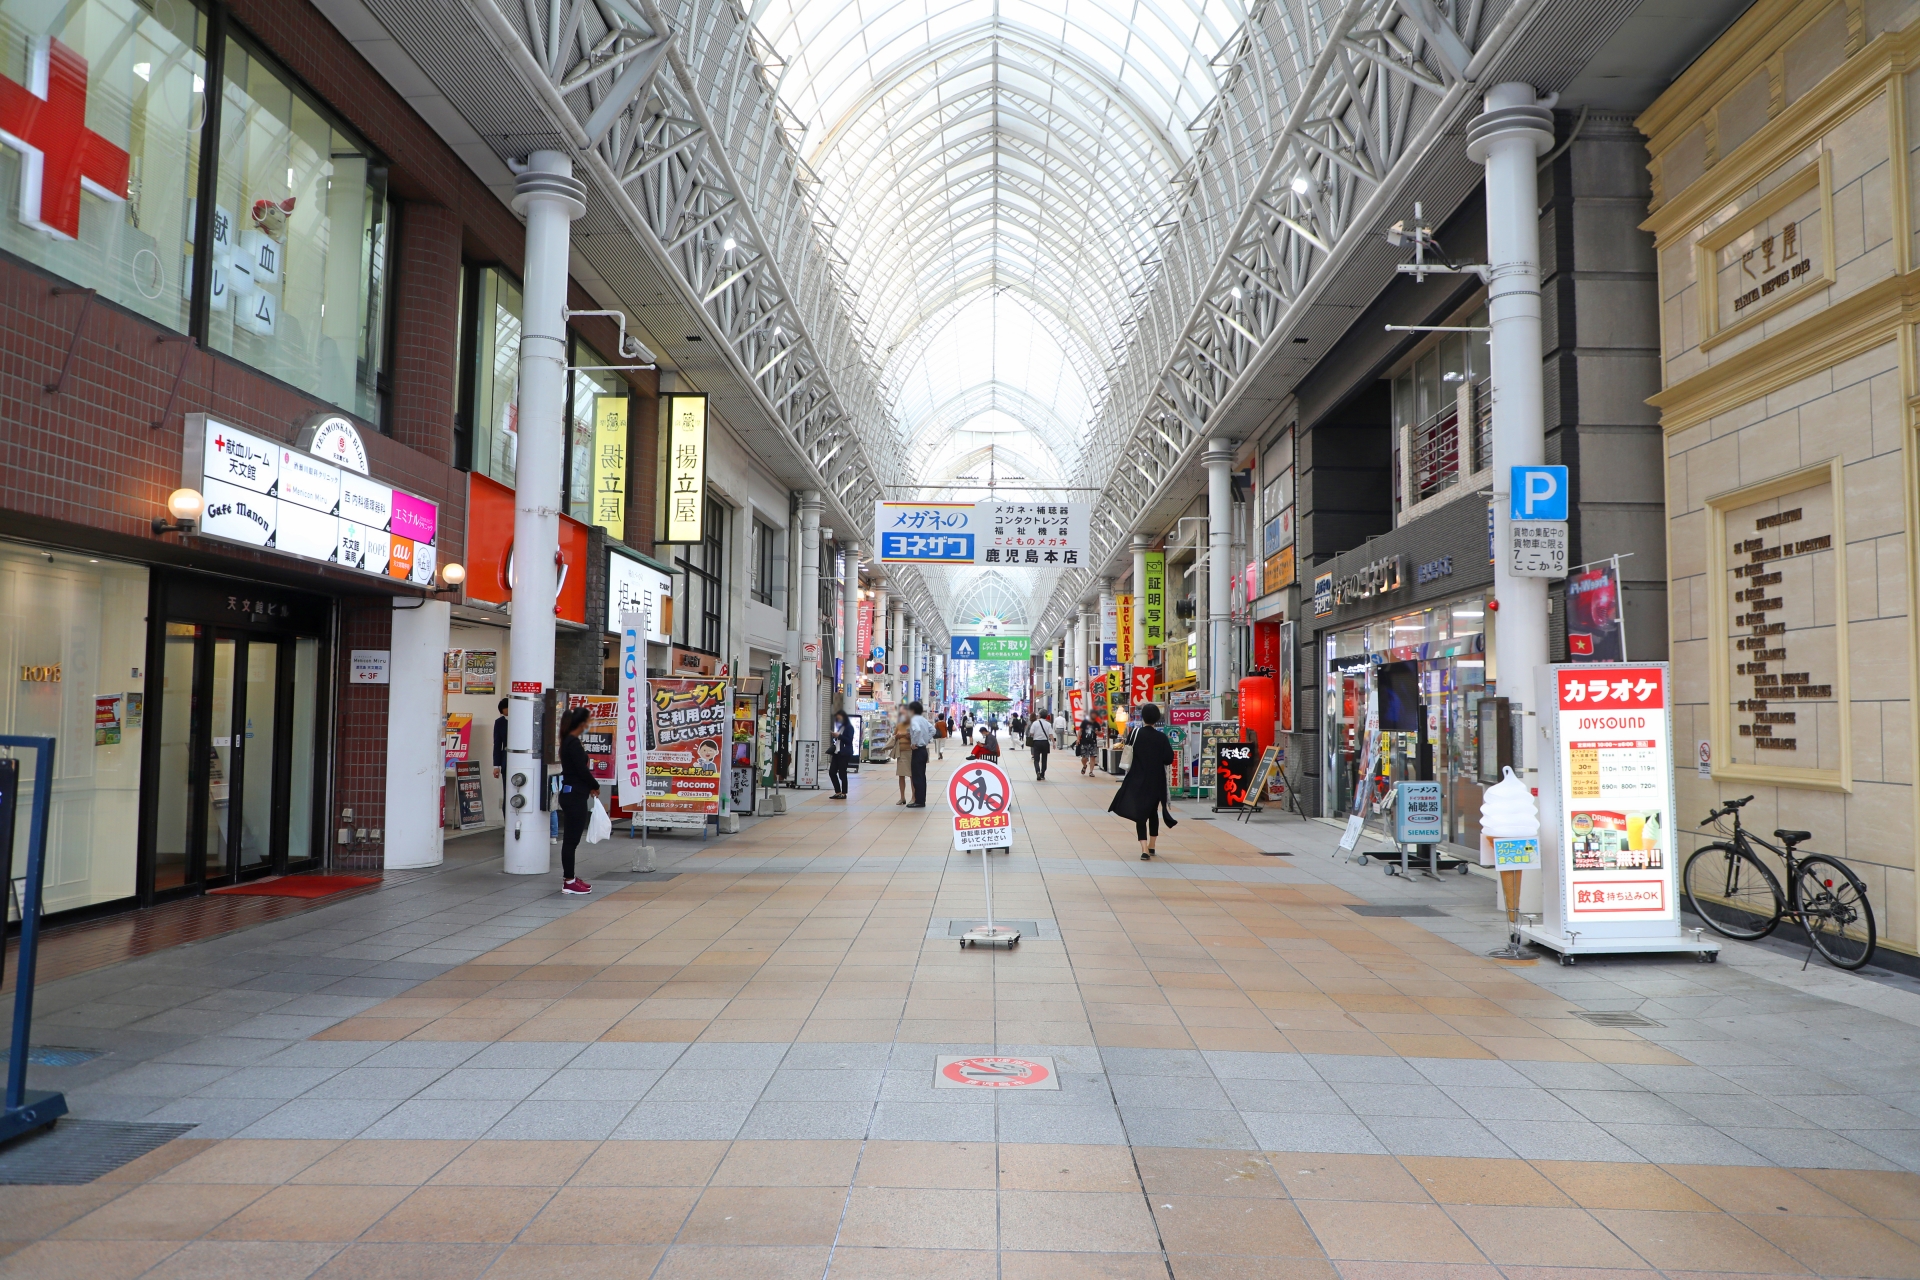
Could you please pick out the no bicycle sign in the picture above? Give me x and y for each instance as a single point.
(980, 797)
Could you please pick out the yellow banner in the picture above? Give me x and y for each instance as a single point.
(1153, 605)
(1123, 617)
(610, 464)
(686, 469)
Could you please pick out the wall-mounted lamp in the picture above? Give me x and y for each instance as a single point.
(185, 506)
(452, 575)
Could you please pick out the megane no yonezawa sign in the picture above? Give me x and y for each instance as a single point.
(1040, 534)
(262, 493)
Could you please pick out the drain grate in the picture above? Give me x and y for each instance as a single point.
(75, 1152)
(52, 1055)
(1394, 909)
(1027, 928)
(1616, 1018)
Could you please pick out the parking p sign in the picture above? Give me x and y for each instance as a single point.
(1539, 493)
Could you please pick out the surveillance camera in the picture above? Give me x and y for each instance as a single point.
(1396, 233)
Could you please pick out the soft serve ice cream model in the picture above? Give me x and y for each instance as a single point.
(1510, 840)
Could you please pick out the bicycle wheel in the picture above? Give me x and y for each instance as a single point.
(1733, 892)
(1833, 906)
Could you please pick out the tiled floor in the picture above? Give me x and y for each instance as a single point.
(730, 1073)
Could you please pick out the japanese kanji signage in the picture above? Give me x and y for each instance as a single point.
(1153, 598)
(1538, 547)
(685, 751)
(610, 465)
(1040, 534)
(1613, 753)
(685, 474)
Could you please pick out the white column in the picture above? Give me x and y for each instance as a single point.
(896, 644)
(849, 624)
(1509, 137)
(807, 714)
(416, 755)
(881, 614)
(1218, 460)
(550, 197)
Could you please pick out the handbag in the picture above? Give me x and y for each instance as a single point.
(599, 825)
(1126, 748)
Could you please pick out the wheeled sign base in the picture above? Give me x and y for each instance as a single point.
(990, 933)
(1570, 946)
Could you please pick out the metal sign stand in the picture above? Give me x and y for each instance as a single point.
(991, 933)
(28, 1109)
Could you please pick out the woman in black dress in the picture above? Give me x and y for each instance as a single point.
(577, 789)
(1142, 796)
(840, 754)
(1086, 745)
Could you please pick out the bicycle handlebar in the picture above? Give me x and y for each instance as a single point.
(1727, 807)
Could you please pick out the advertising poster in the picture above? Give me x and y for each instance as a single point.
(1285, 674)
(1595, 632)
(450, 666)
(687, 752)
(482, 671)
(136, 706)
(597, 737)
(1234, 764)
(459, 737)
(1615, 802)
(466, 786)
(106, 720)
(1076, 706)
(1123, 619)
(1212, 734)
(740, 780)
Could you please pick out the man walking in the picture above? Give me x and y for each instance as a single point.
(1040, 742)
(919, 738)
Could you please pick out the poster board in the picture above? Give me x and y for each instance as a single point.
(1606, 799)
(1264, 772)
(686, 751)
(1234, 763)
(472, 806)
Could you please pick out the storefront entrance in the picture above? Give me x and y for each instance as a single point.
(236, 764)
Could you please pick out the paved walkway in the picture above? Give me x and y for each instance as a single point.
(729, 1069)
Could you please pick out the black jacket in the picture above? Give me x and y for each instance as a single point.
(1143, 792)
(500, 743)
(843, 740)
(576, 772)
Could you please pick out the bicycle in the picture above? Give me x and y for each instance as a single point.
(1737, 895)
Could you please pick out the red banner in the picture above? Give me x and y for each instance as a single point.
(863, 637)
(1141, 686)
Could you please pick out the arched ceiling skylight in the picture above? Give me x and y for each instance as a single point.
(993, 171)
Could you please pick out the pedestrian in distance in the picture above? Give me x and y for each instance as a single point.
(500, 754)
(902, 753)
(578, 786)
(940, 728)
(988, 747)
(1086, 745)
(919, 738)
(1142, 797)
(1040, 743)
(840, 754)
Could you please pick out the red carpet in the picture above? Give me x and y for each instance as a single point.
(300, 886)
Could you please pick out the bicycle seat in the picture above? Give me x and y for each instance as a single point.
(1792, 837)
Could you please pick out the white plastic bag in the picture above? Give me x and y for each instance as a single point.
(599, 825)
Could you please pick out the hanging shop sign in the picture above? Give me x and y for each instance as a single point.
(334, 437)
(490, 570)
(1123, 617)
(686, 751)
(632, 717)
(1278, 572)
(863, 633)
(1153, 597)
(635, 586)
(1140, 686)
(261, 493)
(610, 464)
(685, 473)
(1595, 630)
(1042, 535)
(991, 648)
(1322, 595)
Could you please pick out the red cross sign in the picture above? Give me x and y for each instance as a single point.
(46, 122)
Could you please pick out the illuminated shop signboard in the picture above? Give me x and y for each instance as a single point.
(262, 493)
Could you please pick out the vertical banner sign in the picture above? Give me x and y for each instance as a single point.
(1614, 807)
(1123, 618)
(1594, 629)
(1140, 688)
(686, 469)
(1076, 707)
(863, 637)
(1153, 598)
(610, 464)
(1289, 665)
(630, 757)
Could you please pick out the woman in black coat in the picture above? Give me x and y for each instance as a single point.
(840, 754)
(1142, 796)
(578, 786)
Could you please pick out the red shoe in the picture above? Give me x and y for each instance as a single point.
(575, 885)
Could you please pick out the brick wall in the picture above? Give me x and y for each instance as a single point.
(360, 745)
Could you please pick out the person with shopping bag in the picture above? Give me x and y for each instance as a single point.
(579, 791)
(1040, 743)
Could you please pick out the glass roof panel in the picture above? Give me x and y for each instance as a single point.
(993, 170)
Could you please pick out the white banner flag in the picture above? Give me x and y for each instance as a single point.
(630, 737)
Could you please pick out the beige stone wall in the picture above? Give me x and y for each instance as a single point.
(1801, 122)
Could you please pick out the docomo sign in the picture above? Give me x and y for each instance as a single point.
(630, 749)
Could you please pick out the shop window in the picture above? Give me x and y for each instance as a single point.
(73, 642)
(490, 372)
(299, 240)
(761, 588)
(700, 568)
(118, 148)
